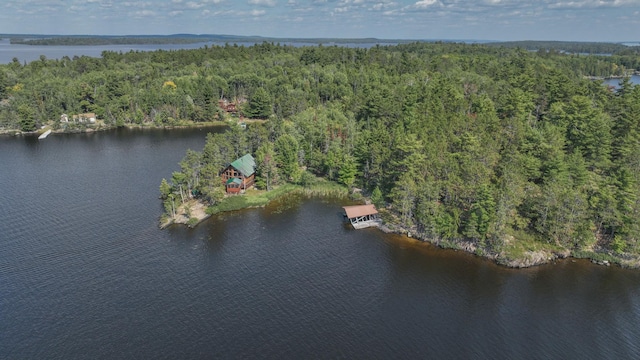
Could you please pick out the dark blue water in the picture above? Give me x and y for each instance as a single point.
(86, 273)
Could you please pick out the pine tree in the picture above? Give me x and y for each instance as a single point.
(165, 189)
(260, 105)
(348, 171)
(377, 198)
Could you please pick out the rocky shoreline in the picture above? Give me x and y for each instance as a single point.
(16, 132)
(194, 212)
(190, 214)
(529, 258)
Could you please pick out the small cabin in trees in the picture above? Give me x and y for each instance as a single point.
(84, 118)
(239, 175)
(227, 106)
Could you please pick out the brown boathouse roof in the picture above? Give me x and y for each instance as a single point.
(359, 210)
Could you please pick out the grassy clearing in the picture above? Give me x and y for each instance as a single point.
(519, 248)
(527, 249)
(323, 188)
(258, 198)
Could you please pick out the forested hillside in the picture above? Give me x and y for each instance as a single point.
(502, 147)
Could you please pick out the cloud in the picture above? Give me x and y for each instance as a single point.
(383, 5)
(269, 3)
(591, 4)
(423, 4)
(144, 14)
(192, 5)
(494, 19)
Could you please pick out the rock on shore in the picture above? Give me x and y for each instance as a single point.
(190, 213)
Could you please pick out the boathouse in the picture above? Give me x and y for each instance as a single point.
(362, 216)
(239, 175)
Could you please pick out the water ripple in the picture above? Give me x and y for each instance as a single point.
(85, 272)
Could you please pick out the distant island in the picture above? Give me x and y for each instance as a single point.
(511, 154)
(75, 40)
(571, 47)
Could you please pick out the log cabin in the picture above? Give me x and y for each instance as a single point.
(239, 175)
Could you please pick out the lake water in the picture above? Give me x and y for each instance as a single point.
(86, 273)
(28, 53)
(635, 79)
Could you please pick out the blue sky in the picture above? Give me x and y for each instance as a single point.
(581, 20)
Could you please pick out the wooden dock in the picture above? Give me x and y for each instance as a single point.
(366, 224)
(44, 135)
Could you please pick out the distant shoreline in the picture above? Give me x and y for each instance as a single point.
(87, 130)
(176, 39)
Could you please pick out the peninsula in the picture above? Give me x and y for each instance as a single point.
(508, 153)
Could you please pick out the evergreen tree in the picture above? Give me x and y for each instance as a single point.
(348, 171)
(286, 153)
(267, 174)
(165, 189)
(27, 118)
(377, 198)
(260, 105)
(4, 83)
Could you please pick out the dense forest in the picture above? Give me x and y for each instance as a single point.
(494, 145)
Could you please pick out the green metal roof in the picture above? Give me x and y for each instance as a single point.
(246, 165)
(234, 180)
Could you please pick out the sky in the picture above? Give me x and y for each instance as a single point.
(503, 20)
